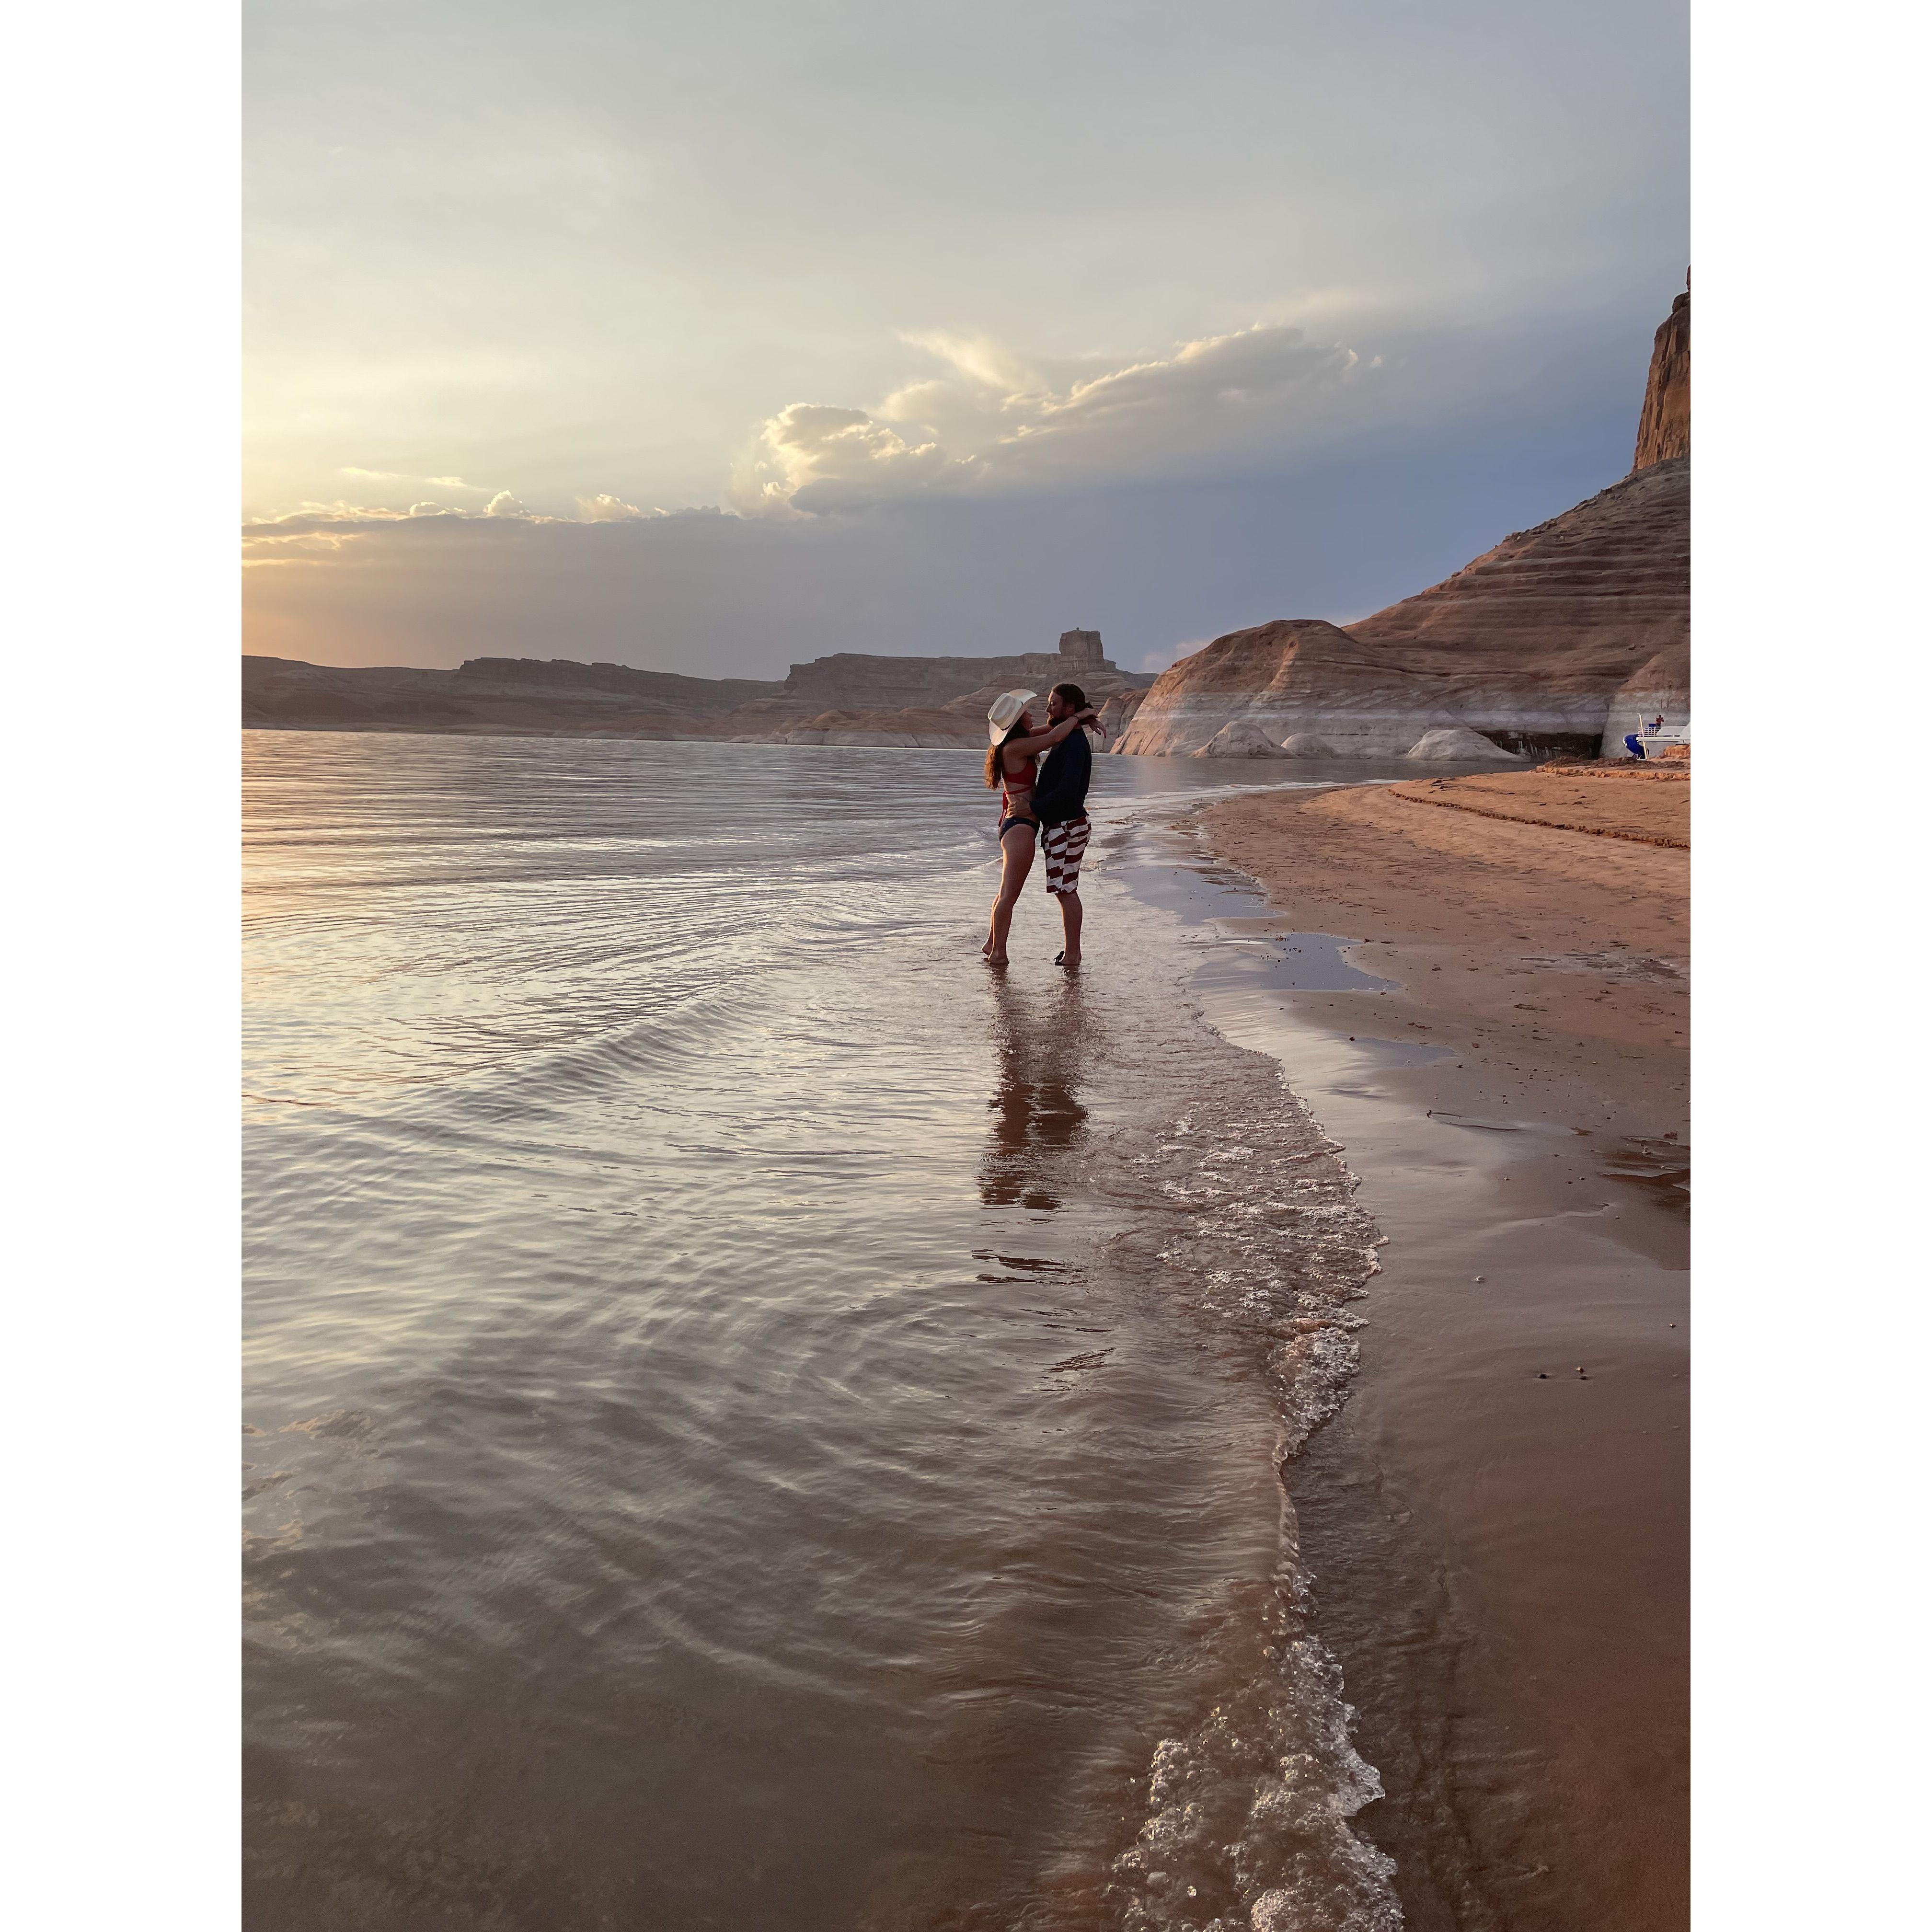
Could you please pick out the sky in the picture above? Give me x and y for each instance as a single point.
(711, 338)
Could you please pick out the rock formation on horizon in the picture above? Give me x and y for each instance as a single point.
(1553, 642)
(1663, 426)
(848, 698)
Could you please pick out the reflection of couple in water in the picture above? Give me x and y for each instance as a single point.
(1049, 803)
(1046, 1042)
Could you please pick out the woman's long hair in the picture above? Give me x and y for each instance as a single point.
(996, 754)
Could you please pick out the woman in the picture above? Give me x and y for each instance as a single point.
(1010, 765)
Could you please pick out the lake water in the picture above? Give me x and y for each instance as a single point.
(753, 1420)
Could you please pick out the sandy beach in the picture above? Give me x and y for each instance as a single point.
(1499, 1519)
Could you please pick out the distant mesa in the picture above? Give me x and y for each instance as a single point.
(848, 698)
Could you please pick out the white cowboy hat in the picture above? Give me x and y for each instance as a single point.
(1006, 711)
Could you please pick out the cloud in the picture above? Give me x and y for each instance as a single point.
(403, 476)
(500, 503)
(329, 528)
(606, 509)
(994, 419)
(319, 531)
(814, 457)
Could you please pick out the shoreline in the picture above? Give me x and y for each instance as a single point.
(1490, 1015)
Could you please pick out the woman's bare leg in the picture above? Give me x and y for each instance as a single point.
(1015, 862)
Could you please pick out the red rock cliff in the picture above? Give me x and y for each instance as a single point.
(1663, 429)
(1551, 642)
(1533, 643)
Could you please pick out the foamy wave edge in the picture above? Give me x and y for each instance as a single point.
(1249, 1823)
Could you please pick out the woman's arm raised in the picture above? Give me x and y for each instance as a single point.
(1042, 741)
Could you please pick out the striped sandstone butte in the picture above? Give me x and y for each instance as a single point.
(1553, 642)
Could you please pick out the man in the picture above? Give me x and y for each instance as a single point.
(1060, 803)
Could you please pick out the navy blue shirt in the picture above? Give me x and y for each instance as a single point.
(1059, 792)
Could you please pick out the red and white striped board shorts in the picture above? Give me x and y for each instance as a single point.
(1063, 844)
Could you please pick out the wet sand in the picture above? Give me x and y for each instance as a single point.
(1501, 1541)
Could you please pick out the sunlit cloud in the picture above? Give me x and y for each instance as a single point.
(995, 419)
(319, 531)
(814, 457)
(608, 509)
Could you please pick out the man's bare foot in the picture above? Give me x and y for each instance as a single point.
(996, 959)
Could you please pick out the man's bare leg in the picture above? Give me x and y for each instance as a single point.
(1071, 914)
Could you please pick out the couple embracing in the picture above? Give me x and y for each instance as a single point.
(1048, 803)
